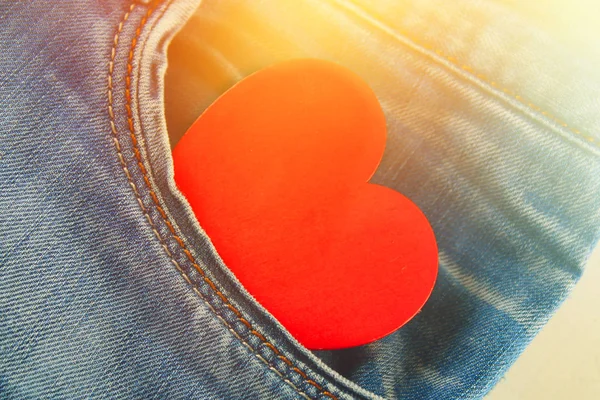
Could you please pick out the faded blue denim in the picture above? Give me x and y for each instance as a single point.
(110, 289)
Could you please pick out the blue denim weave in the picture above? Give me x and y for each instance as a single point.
(110, 289)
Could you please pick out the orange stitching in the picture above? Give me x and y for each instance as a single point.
(179, 241)
(237, 313)
(258, 335)
(269, 345)
(315, 384)
(138, 157)
(223, 298)
(162, 212)
(189, 255)
(245, 322)
(209, 282)
(288, 362)
(300, 372)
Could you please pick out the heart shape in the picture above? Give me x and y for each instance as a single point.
(276, 172)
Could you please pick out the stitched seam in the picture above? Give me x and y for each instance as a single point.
(155, 200)
(469, 71)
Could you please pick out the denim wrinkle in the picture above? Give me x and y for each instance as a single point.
(109, 288)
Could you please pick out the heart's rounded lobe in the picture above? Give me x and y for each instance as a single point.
(276, 173)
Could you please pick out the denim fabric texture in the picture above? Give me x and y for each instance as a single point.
(110, 289)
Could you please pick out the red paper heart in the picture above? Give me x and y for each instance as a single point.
(276, 172)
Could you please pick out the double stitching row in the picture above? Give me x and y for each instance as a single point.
(465, 68)
(190, 257)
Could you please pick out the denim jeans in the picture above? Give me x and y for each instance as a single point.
(110, 289)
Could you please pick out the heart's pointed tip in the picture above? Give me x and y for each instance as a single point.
(262, 146)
